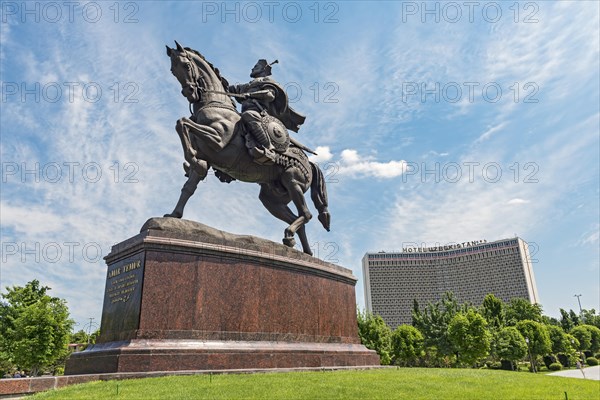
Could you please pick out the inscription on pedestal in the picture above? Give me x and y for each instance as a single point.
(122, 297)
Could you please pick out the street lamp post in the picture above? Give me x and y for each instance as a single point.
(579, 301)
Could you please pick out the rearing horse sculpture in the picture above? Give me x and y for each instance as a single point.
(214, 137)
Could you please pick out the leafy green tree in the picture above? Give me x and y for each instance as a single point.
(590, 317)
(493, 311)
(565, 321)
(407, 345)
(550, 321)
(561, 341)
(433, 323)
(537, 334)
(469, 335)
(519, 309)
(79, 337)
(35, 327)
(6, 364)
(375, 335)
(94, 336)
(595, 338)
(574, 317)
(509, 344)
(588, 336)
(583, 336)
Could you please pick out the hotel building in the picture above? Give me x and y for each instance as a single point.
(470, 270)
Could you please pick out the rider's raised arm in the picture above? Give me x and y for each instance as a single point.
(238, 89)
(266, 95)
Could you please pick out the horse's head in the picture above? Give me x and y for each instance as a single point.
(184, 67)
(199, 79)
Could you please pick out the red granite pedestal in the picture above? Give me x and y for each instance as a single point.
(184, 296)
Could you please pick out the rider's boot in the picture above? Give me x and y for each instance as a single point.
(265, 154)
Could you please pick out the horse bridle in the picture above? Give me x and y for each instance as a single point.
(196, 78)
(201, 89)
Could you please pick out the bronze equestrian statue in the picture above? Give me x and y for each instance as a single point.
(217, 136)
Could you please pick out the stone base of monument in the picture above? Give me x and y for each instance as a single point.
(184, 296)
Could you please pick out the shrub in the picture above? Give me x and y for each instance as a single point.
(375, 335)
(591, 361)
(555, 367)
(508, 365)
(564, 359)
(588, 353)
(407, 345)
(597, 356)
(550, 359)
(493, 364)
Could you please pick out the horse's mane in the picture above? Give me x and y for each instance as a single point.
(215, 70)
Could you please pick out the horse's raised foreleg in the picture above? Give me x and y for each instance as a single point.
(188, 190)
(206, 134)
(189, 153)
(277, 206)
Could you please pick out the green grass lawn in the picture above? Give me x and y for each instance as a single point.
(390, 383)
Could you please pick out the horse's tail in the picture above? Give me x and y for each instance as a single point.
(318, 194)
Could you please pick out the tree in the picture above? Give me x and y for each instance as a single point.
(469, 335)
(565, 321)
(584, 336)
(94, 336)
(588, 336)
(590, 317)
(595, 332)
(537, 334)
(509, 344)
(375, 335)
(493, 311)
(84, 339)
(546, 320)
(407, 345)
(519, 309)
(35, 327)
(574, 317)
(433, 322)
(560, 341)
(79, 337)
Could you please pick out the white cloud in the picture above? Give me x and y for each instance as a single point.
(353, 164)
(445, 211)
(434, 153)
(491, 131)
(323, 154)
(590, 238)
(517, 201)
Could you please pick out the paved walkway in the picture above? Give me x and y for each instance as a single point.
(590, 373)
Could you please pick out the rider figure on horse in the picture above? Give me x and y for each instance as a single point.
(264, 98)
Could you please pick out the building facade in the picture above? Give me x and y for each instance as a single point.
(469, 270)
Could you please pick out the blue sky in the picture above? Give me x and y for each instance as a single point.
(438, 125)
